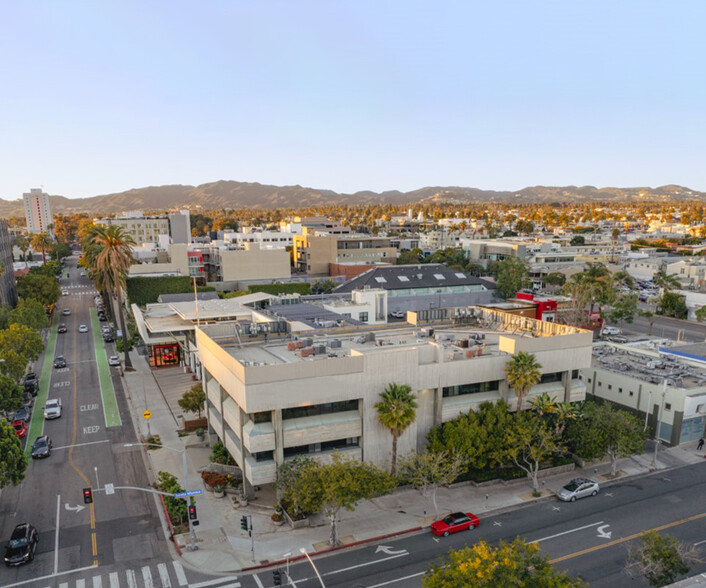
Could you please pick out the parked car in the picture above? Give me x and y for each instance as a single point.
(611, 331)
(102, 318)
(397, 314)
(457, 521)
(20, 428)
(114, 361)
(83, 274)
(108, 338)
(23, 542)
(578, 488)
(59, 361)
(41, 447)
(66, 312)
(52, 409)
(31, 377)
(31, 387)
(22, 414)
(62, 328)
(83, 329)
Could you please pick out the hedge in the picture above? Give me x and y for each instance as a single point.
(302, 288)
(146, 290)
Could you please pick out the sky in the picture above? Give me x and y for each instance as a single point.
(101, 97)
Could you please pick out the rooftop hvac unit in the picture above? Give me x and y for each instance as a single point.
(319, 349)
(335, 343)
(307, 342)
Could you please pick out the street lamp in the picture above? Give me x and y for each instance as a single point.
(192, 535)
(303, 551)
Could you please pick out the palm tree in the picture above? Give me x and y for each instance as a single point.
(615, 234)
(522, 372)
(665, 281)
(111, 255)
(397, 410)
(22, 244)
(42, 242)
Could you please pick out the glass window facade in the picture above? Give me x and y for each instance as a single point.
(317, 409)
(475, 388)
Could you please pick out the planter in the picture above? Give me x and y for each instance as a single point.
(219, 492)
(295, 524)
(279, 523)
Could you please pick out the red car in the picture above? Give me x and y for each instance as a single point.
(20, 428)
(456, 521)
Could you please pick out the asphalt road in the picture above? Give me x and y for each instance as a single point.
(116, 533)
(666, 327)
(588, 538)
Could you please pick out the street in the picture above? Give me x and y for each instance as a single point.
(666, 327)
(587, 538)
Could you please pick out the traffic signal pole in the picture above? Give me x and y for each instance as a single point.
(246, 525)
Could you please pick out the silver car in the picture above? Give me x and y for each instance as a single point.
(52, 409)
(578, 488)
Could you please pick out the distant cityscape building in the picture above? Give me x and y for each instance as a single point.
(38, 211)
(8, 290)
(148, 229)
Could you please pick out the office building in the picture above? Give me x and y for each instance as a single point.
(38, 212)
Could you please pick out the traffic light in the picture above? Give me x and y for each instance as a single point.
(192, 512)
(87, 496)
(244, 523)
(277, 577)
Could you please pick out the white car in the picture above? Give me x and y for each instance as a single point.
(611, 331)
(114, 361)
(83, 329)
(52, 409)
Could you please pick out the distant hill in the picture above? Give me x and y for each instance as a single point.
(230, 194)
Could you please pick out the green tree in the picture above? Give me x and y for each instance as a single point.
(19, 345)
(512, 276)
(660, 559)
(665, 281)
(42, 242)
(40, 287)
(13, 461)
(29, 313)
(650, 316)
(193, 400)
(10, 394)
(700, 314)
(528, 442)
(176, 507)
(522, 372)
(509, 564)
(396, 410)
(407, 257)
(601, 430)
(623, 308)
(323, 287)
(427, 472)
(577, 240)
(60, 250)
(23, 245)
(337, 485)
(554, 279)
(673, 305)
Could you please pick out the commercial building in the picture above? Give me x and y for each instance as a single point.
(148, 229)
(314, 254)
(271, 398)
(657, 380)
(8, 289)
(38, 211)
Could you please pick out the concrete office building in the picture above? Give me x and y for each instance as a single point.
(38, 211)
(8, 289)
(271, 399)
(148, 229)
(315, 254)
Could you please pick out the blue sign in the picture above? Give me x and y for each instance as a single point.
(187, 493)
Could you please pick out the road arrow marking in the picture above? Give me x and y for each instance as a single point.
(557, 508)
(77, 508)
(390, 551)
(602, 533)
(609, 494)
(497, 523)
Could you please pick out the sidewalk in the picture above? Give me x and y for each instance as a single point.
(224, 548)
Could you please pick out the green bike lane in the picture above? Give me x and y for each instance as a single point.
(36, 423)
(110, 401)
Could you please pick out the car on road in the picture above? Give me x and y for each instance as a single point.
(611, 331)
(397, 314)
(62, 328)
(31, 384)
(108, 338)
(83, 274)
(114, 361)
(578, 488)
(20, 428)
(41, 447)
(59, 361)
(20, 548)
(83, 329)
(455, 522)
(66, 312)
(22, 414)
(64, 292)
(102, 318)
(52, 409)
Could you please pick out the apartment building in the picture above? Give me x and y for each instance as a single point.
(656, 380)
(8, 289)
(148, 229)
(270, 400)
(485, 250)
(38, 211)
(314, 254)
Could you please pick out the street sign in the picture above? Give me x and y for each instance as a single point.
(147, 414)
(187, 493)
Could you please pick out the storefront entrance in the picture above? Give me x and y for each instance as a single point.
(165, 355)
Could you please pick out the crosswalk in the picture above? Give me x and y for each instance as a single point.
(161, 575)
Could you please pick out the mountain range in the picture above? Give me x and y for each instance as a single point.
(231, 194)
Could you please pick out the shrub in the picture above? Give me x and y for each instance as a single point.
(302, 288)
(219, 454)
(213, 479)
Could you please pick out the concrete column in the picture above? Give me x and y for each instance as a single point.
(247, 485)
(566, 380)
(361, 441)
(438, 405)
(279, 437)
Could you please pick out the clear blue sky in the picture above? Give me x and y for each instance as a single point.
(99, 97)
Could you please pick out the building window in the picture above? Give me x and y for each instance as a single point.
(620, 390)
(667, 406)
(610, 386)
(264, 455)
(551, 377)
(631, 392)
(363, 317)
(574, 374)
(475, 388)
(319, 409)
(261, 417)
(600, 384)
(589, 380)
(319, 447)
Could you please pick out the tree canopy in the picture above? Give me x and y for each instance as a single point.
(396, 410)
(13, 461)
(512, 276)
(39, 286)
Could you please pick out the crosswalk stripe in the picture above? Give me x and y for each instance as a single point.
(164, 575)
(97, 582)
(64, 585)
(179, 571)
(114, 581)
(130, 575)
(81, 583)
(147, 577)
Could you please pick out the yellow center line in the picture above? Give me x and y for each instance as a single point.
(628, 538)
(84, 477)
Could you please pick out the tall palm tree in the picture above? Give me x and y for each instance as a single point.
(522, 372)
(397, 410)
(615, 233)
(112, 257)
(22, 244)
(665, 281)
(42, 242)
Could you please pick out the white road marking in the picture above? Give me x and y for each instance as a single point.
(257, 581)
(497, 523)
(130, 575)
(220, 581)
(164, 575)
(397, 580)
(97, 582)
(81, 583)
(64, 573)
(567, 532)
(147, 577)
(114, 581)
(56, 534)
(368, 563)
(179, 571)
(64, 585)
(700, 542)
(80, 445)
(557, 508)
